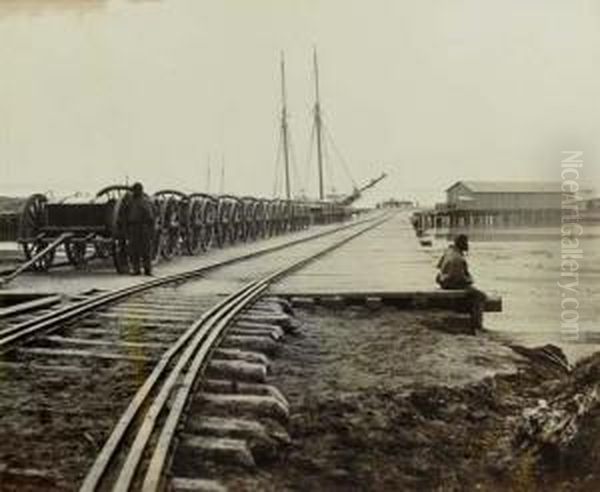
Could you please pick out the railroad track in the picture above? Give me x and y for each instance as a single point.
(138, 352)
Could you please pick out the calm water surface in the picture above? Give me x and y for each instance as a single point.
(524, 267)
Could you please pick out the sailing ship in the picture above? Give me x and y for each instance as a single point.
(344, 199)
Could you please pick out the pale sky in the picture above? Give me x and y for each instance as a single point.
(430, 91)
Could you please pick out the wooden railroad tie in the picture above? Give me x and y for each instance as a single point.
(461, 301)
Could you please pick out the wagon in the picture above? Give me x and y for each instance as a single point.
(86, 231)
(185, 224)
(229, 224)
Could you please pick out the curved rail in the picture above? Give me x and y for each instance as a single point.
(197, 345)
(16, 333)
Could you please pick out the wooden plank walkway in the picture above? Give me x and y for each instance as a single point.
(387, 259)
(385, 265)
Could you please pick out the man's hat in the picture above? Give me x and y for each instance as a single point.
(462, 242)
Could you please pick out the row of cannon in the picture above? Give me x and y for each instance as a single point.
(185, 224)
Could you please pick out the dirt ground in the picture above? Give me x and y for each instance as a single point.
(389, 401)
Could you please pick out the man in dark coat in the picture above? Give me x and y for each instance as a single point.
(454, 274)
(140, 229)
(453, 270)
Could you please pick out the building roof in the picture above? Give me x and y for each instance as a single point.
(510, 186)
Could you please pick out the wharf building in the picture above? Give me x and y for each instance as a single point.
(499, 204)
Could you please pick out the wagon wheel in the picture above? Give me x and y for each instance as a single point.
(286, 219)
(264, 220)
(32, 220)
(45, 262)
(33, 216)
(296, 217)
(292, 217)
(102, 250)
(209, 217)
(170, 229)
(113, 192)
(222, 223)
(235, 223)
(253, 222)
(175, 221)
(76, 253)
(118, 249)
(120, 254)
(243, 229)
(280, 218)
(260, 220)
(194, 227)
(275, 219)
(269, 219)
(158, 239)
(307, 217)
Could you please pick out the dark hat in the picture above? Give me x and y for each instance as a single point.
(462, 242)
(137, 188)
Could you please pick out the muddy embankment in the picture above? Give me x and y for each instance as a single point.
(394, 401)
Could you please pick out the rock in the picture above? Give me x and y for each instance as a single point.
(238, 370)
(226, 451)
(251, 343)
(478, 415)
(255, 406)
(181, 484)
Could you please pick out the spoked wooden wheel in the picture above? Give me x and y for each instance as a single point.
(222, 224)
(252, 222)
(118, 248)
(261, 220)
(194, 227)
(31, 222)
(113, 192)
(170, 229)
(248, 219)
(268, 219)
(102, 250)
(174, 206)
(77, 253)
(286, 219)
(210, 220)
(235, 223)
(120, 254)
(158, 239)
(35, 247)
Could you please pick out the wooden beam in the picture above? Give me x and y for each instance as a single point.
(409, 299)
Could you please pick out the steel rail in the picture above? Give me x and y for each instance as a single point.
(109, 449)
(155, 471)
(203, 342)
(13, 334)
(206, 332)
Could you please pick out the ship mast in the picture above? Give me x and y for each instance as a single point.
(284, 131)
(318, 127)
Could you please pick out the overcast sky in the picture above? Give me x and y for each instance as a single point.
(430, 91)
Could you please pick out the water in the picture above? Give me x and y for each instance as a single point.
(524, 268)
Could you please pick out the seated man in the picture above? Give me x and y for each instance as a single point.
(454, 274)
(453, 270)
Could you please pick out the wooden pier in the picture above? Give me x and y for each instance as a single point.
(386, 267)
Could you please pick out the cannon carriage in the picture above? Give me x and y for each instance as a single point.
(170, 211)
(253, 218)
(279, 216)
(229, 225)
(85, 231)
(184, 224)
(200, 222)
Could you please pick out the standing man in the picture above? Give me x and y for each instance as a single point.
(454, 274)
(140, 229)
